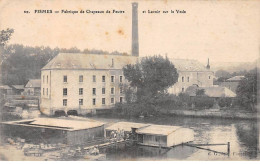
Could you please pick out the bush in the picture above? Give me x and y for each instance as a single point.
(203, 102)
(224, 102)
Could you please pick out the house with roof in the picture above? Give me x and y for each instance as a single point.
(214, 92)
(191, 72)
(17, 89)
(232, 83)
(6, 90)
(33, 87)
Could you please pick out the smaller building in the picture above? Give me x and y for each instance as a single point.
(17, 89)
(54, 130)
(5, 90)
(164, 136)
(232, 83)
(33, 87)
(153, 135)
(214, 92)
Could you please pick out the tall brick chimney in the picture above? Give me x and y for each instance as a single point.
(135, 42)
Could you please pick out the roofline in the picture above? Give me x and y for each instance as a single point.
(194, 71)
(78, 69)
(45, 126)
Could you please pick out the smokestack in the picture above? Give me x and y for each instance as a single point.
(135, 42)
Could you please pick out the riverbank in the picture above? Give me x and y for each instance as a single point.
(213, 113)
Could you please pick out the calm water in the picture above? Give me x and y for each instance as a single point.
(242, 135)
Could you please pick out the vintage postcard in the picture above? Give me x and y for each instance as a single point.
(129, 80)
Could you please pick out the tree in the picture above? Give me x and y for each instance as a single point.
(200, 92)
(5, 36)
(152, 76)
(247, 90)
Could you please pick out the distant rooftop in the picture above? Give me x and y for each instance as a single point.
(57, 123)
(236, 78)
(18, 86)
(4, 87)
(33, 83)
(89, 61)
(188, 65)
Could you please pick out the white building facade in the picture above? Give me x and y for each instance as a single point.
(83, 82)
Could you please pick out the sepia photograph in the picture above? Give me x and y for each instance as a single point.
(129, 80)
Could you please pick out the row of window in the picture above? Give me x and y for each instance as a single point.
(112, 91)
(43, 79)
(65, 91)
(188, 79)
(112, 79)
(112, 101)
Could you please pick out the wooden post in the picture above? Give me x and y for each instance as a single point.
(228, 148)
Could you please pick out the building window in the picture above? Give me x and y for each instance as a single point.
(103, 101)
(81, 78)
(94, 101)
(182, 79)
(103, 91)
(47, 79)
(121, 79)
(112, 79)
(112, 100)
(47, 91)
(65, 102)
(188, 79)
(121, 90)
(42, 91)
(80, 101)
(103, 78)
(65, 92)
(182, 89)
(94, 78)
(65, 79)
(43, 78)
(121, 99)
(94, 91)
(112, 91)
(80, 91)
(209, 77)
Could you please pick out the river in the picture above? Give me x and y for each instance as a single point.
(242, 135)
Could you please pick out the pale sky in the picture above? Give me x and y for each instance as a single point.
(227, 31)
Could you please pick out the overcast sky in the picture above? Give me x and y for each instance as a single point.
(227, 31)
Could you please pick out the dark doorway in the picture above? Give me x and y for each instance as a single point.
(59, 113)
(72, 112)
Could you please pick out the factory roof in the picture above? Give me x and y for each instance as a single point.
(126, 126)
(157, 130)
(57, 123)
(89, 61)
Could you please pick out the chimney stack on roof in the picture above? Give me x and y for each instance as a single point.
(208, 66)
(135, 42)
